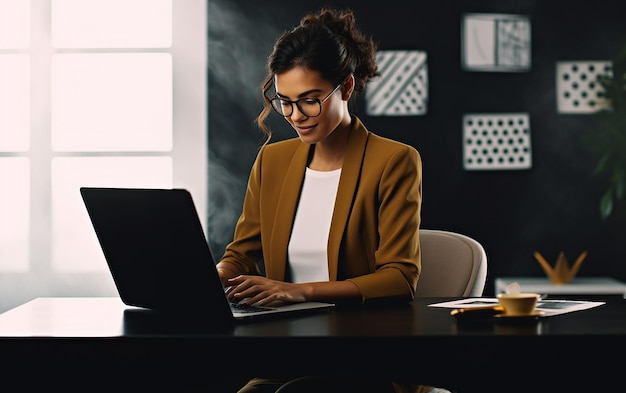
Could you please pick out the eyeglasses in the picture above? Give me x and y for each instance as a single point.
(310, 107)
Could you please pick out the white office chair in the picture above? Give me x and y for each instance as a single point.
(453, 265)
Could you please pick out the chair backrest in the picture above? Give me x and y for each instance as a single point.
(453, 265)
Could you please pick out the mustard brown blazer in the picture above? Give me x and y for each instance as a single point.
(374, 233)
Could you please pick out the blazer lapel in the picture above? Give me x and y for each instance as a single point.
(286, 211)
(348, 183)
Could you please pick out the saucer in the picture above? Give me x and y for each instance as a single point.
(534, 314)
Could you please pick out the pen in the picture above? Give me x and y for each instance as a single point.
(477, 311)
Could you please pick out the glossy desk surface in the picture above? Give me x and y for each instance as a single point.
(60, 335)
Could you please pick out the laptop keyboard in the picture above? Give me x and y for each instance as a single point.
(245, 308)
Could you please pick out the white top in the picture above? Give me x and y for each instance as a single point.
(308, 246)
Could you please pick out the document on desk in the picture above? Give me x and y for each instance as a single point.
(547, 307)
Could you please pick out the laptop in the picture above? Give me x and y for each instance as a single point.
(159, 258)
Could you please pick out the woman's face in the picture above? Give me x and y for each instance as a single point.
(300, 82)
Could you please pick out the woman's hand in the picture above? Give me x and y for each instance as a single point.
(226, 271)
(264, 291)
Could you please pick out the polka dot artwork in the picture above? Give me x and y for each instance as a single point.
(578, 90)
(496, 141)
(402, 89)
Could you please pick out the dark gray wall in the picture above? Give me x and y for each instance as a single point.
(550, 208)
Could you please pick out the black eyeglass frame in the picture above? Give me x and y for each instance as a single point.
(282, 102)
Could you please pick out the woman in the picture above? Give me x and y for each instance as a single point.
(334, 213)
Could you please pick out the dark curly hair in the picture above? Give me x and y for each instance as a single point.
(327, 41)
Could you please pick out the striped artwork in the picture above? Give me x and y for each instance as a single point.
(402, 89)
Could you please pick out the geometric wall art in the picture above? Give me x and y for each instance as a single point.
(496, 141)
(495, 42)
(578, 90)
(402, 88)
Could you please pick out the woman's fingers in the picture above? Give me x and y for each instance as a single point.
(252, 289)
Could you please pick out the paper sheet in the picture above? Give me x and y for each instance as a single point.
(550, 307)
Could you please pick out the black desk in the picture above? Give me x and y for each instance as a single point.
(66, 343)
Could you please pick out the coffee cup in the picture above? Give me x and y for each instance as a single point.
(518, 304)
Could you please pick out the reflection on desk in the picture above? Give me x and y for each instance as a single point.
(68, 342)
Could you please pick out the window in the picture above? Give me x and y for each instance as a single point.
(92, 93)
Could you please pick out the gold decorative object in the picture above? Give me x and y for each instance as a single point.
(561, 273)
